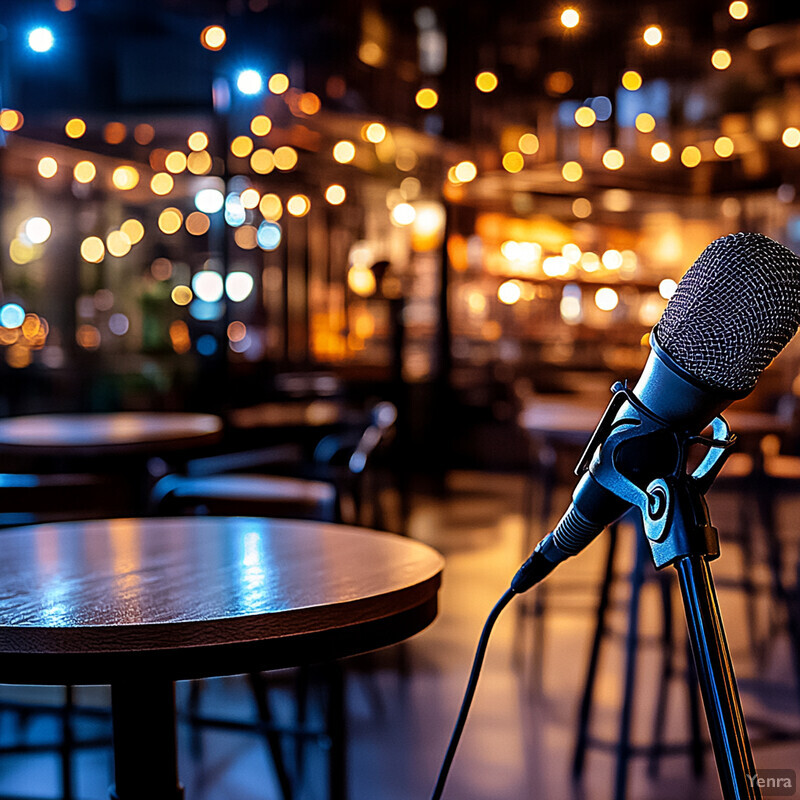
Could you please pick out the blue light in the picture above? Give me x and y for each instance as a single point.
(206, 345)
(206, 312)
(40, 40)
(12, 315)
(235, 213)
(268, 235)
(248, 81)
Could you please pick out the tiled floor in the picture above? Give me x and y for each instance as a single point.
(518, 741)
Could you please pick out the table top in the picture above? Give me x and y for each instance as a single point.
(567, 416)
(98, 434)
(288, 414)
(95, 601)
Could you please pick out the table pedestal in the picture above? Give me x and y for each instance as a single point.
(145, 742)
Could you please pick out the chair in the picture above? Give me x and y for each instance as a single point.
(338, 489)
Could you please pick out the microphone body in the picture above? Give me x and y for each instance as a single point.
(707, 350)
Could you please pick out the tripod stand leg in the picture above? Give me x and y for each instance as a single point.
(712, 659)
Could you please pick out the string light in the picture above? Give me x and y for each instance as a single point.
(653, 35)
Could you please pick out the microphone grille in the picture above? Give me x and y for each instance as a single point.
(734, 310)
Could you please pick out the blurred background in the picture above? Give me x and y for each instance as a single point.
(470, 211)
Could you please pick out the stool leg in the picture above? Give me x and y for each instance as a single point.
(624, 743)
(67, 742)
(667, 671)
(584, 718)
(258, 685)
(337, 730)
(145, 741)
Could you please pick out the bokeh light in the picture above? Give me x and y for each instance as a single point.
(465, 171)
(298, 205)
(572, 171)
(213, 37)
(175, 162)
(197, 141)
(631, 80)
(738, 9)
(278, 83)
(486, 81)
(249, 82)
(75, 128)
(426, 98)
(570, 18)
(268, 236)
(585, 117)
(170, 220)
(125, 178)
(84, 172)
(133, 229)
(271, 207)
(238, 285)
(528, 143)
(181, 295)
(262, 161)
(690, 156)
(653, 35)
(791, 137)
(47, 167)
(723, 146)
(344, 151)
(93, 250)
(197, 223)
(285, 158)
(613, 159)
(335, 194)
(260, 125)
(161, 183)
(242, 146)
(118, 244)
(606, 299)
(645, 123)
(513, 161)
(660, 152)
(375, 132)
(207, 285)
(40, 40)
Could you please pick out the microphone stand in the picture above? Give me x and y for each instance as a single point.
(678, 529)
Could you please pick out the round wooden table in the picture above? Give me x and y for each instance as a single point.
(122, 433)
(141, 603)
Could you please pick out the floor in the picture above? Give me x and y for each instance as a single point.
(520, 734)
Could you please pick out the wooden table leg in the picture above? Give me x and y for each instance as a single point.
(145, 741)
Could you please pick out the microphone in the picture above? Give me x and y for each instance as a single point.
(733, 311)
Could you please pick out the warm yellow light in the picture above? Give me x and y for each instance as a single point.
(260, 125)
(133, 229)
(213, 37)
(585, 117)
(613, 159)
(237, 331)
(465, 171)
(631, 80)
(246, 237)
(572, 171)
(612, 259)
(199, 163)
(298, 205)
(660, 152)
(309, 103)
(653, 35)
(581, 207)
(555, 266)
(723, 146)
(403, 214)
(47, 167)
(513, 161)
(528, 143)
(20, 253)
(125, 178)
(570, 18)
(721, 59)
(590, 262)
(92, 249)
(170, 220)
(182, 295)
(197, 141)
(344, 151)
(645, 123)
(242, 146)
(509, 292)
(118, 244)
(606, 299)
(486, 81)
(250, 198)
(361, 280)
(175, 162)
(75, 128)
(88, 337)
(426, 98)
(161, 183)
(285, 158)
(375, 132)
(738, 9)
(791, 137)
(278, 83)
(262, 161)
(197, 223)
(571, 252)
(690, 156)
(335, 194)
(84, 172)
(271, 207)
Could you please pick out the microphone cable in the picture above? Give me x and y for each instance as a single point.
(470, 691)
